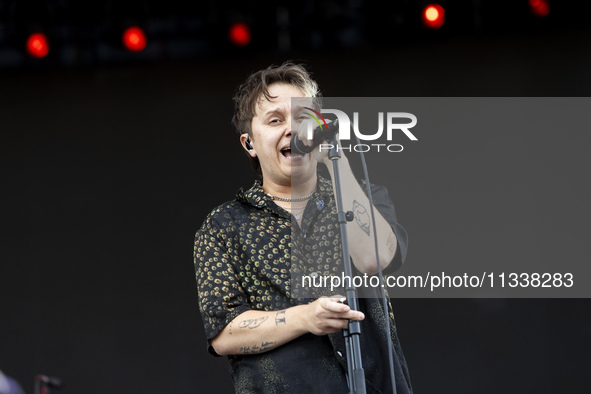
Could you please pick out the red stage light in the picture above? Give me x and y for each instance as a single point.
(37, 45)
(539, 8)
(239, 34)
(433, 16)
(134, 39)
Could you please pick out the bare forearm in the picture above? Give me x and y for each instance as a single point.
(360, 230)
(258, 331)
(255, 332)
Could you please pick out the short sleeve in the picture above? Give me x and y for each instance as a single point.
(221, 298)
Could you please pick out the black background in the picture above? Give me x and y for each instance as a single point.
(107, 173)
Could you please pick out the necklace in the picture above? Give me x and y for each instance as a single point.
(286, 199)
(297, 212)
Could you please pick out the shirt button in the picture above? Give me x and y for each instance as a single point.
(340, 354)
(314, 274)
(305, 235)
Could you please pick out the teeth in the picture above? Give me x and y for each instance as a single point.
(290, 155)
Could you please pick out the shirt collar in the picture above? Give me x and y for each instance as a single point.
(324, 187)
(256, 197)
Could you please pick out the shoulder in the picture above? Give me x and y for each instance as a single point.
(245, 204)
(225, 215)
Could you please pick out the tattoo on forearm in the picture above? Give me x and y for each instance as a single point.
(361, 216)
(391, 243)
(245, 350)
(254, 349)
(280, 318)
(252, 323)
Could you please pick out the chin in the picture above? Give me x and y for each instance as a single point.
(301, 175)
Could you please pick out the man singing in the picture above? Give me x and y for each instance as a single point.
(247, 251)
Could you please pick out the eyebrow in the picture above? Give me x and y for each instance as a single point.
(273, 110)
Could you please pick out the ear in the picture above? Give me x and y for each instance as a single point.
(246, 143)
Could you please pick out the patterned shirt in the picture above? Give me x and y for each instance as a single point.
(246, 255)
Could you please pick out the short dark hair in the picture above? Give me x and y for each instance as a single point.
(257, 86)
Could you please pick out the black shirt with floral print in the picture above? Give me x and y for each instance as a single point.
(246, 254)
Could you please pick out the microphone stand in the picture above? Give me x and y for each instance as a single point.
(352, 334)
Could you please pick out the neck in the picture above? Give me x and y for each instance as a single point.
(293, 190)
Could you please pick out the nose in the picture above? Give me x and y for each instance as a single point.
(288, 123)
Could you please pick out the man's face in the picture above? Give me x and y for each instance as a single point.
(271, 138)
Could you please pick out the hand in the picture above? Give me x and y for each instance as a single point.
(321, 156)
(328, 315)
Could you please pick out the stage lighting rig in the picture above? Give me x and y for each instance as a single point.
(134, 39)
(37, 45)
(239, 34)
(540, 8)
(433, 16)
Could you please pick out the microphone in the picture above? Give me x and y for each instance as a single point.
(320, 134)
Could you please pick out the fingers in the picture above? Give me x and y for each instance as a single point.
(334, 309)
(328, 315)
(342, 311)
(303, 132)
(334, 304)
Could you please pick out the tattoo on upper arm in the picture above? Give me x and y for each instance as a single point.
(392, 243)
(361, 216)
(252, 323)
(230, 327)
(280, 318)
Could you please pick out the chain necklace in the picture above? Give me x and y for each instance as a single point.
(286, 199)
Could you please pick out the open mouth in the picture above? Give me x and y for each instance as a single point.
(286, 152)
